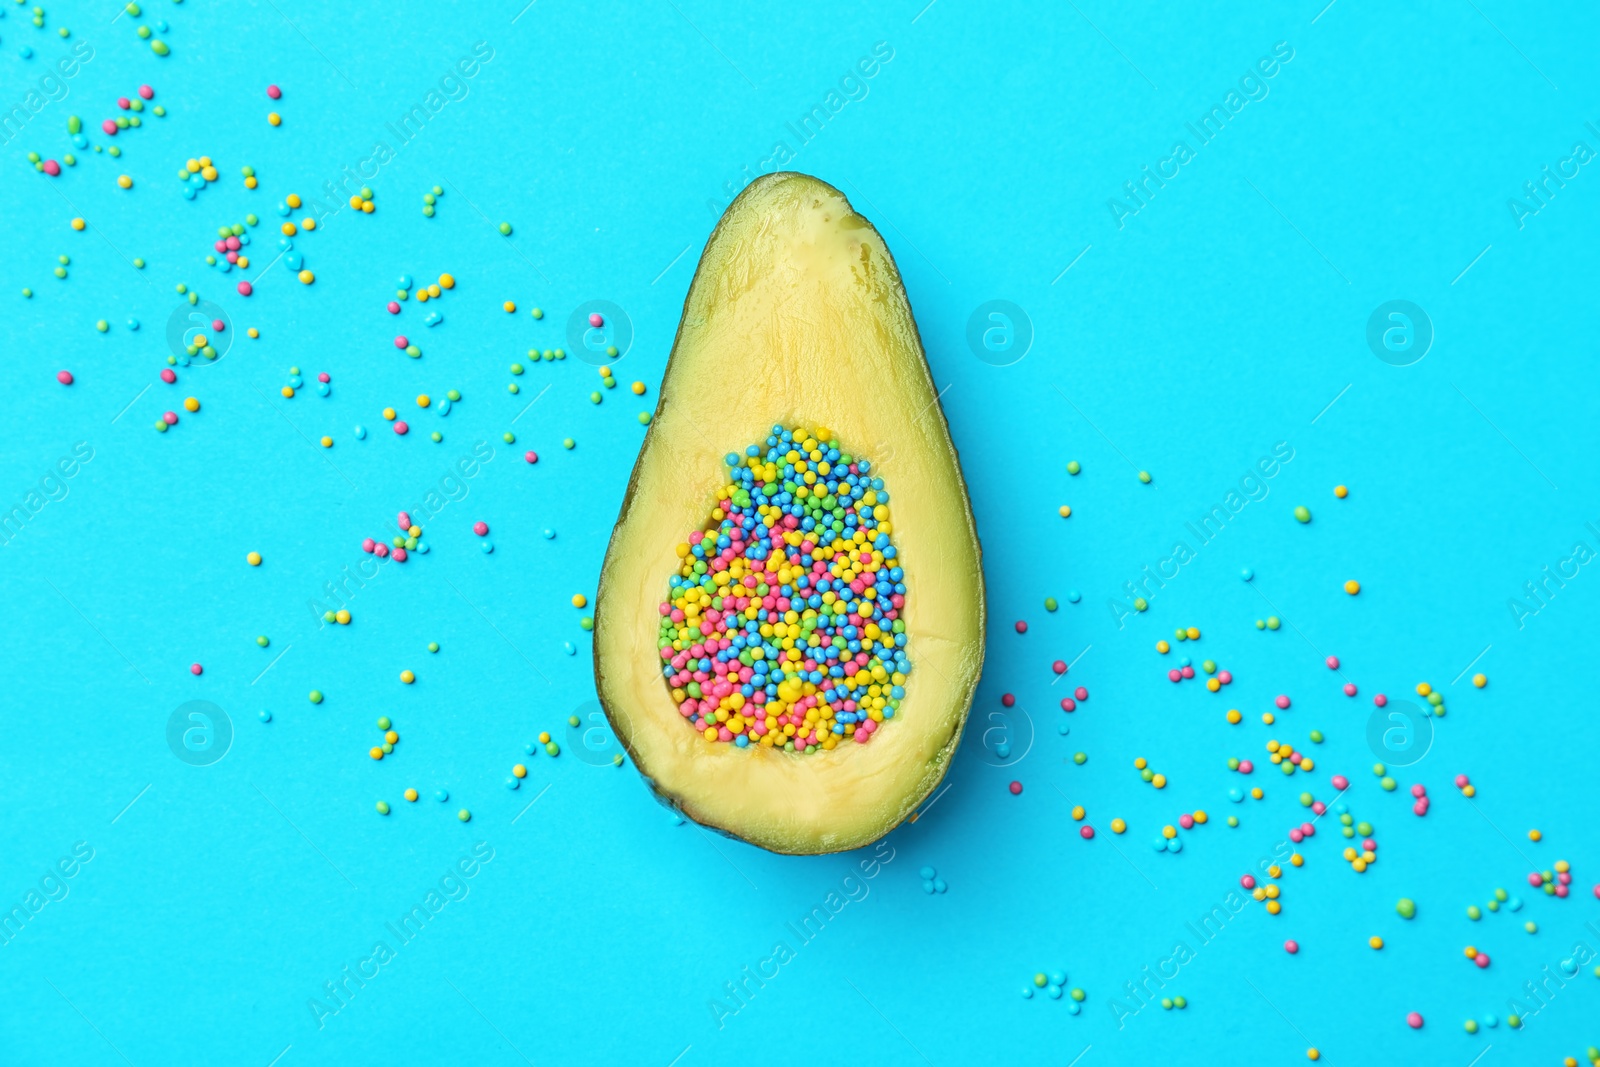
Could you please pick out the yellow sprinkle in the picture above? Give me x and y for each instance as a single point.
(274, 118)
(78, 224)
(254, 559)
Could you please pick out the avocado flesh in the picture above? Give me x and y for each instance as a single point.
(797, 311)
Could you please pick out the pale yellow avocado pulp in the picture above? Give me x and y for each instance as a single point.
(798, 316)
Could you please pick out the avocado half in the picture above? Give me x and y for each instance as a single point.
(798, 310)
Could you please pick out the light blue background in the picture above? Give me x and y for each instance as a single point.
(1222, 318)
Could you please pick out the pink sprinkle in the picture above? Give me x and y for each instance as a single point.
(1086, 832)
(368, 544)
(170, 418)
(245, 289)
(1068, 704)
(110, 127)
(124, 103)
(1059, 666)
(146, 92)
(1291, 947)
(1022, 627)
(380, 550)
(1481, 959)
(399, 555)
(1597, 890)
(1282, 701)
(1341, 782)
(1380, 700)
(1081, 693)
(1414, 1020)
(1369, 845)
(1418, 791)
(1462, 781)
(401, 428)
(1534, 879)
(1187, 672)
(1174, 675)
(595, 319)
(64, 377)
(1565, 878)
(1186, 821)
(394, 307)
(400, 341)
(195, 668)
(1333, 663)
(217, 325)
(1420, 808)
(1248, 881)
(274, 92)
(168, 375)
(1225, 677)
(1349, 689)
(1561, 891)
(1295, 836)
(324, 378)
(480, 528)
(1318, 807)
(531, 457)
(1007, 700)
(1016, 788)
(403, 520)
(52, 168)
(1245, 766)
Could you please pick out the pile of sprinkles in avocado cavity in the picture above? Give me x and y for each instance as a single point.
(782, 626)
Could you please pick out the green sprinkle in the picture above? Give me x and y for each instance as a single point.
(586, 622)
(427, 211)
(316, 694)
(1080, 758)
(538, 313)
(437, 436)
(160, 111)
(383, 807)
(1316, 737)
(594, 398)
(433, 646)
(516, 368)
(263, 641)
(505, 229)
(1364, 829)
(464, 815)
(1077, 994)
(644, 418)
(384, 723)
(1140, 603)
(568, 443)
(1302, 513)
(74, 124)
(139, 263)
(159, 47)
(1388, 784)
(1144, 476)
(509, 438)
(453, 395)
(1407, 908)
(1233, 821)
(28, 293)
(1074, 467)
(1273, 622)
(1050, 603)
(553, 749)
(102, 325)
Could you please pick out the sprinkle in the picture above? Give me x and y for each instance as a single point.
(1479, 680)
(1302, 513)
(254, 559)
(1340, 491)
(316, 696)
(64, 377)
(1352, 587)
(1016, 788)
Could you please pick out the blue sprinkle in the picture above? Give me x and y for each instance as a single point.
(1054, 991)
(133, 324)
(293, 260)
(549, 535)
(361, 432)
(264, 715)
(405, 281)
(1073, 596)
(433, 319)
(1175, 845)
(939, 885)
(487, 546)
(927, 873)
(441, 795)
(1027, 992)
(513, 782)
(322, 388)
(1074, 1007)
(1246, 573)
